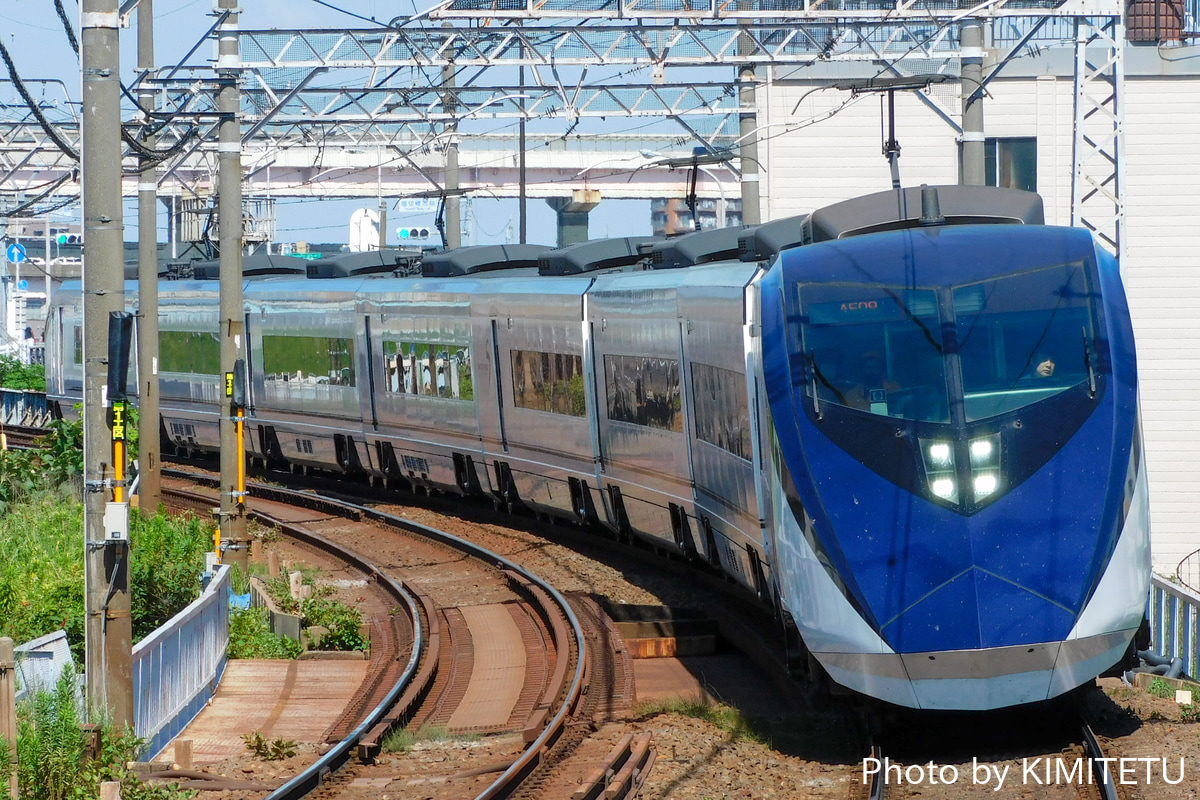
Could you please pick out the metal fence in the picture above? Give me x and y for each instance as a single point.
(1174, 616)
(176, 669)
(20, 407)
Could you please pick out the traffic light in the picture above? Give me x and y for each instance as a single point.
(412, 233)
(70, 238)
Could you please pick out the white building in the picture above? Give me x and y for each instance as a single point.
(1028, 121)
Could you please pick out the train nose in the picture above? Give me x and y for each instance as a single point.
(975, 610)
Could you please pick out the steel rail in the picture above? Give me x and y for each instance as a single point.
(510, 780)
(1100, 769)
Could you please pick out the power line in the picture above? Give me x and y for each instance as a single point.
(33, 106)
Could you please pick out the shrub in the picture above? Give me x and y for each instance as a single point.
(250, 636)
(341, 620)
(15, 375)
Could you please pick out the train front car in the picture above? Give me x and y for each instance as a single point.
(959, 503)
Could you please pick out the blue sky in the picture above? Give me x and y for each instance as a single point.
(34, 37)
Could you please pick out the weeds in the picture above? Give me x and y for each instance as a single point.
(1160, 688)
(721, 716)
(274, 750)
(402, 740)
(52, 759)
(250, 636)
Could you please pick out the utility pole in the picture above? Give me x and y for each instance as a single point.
(108, 641)
(453, 199)
(748, 132)
(973, 172)
(232, 523)
(147, 328)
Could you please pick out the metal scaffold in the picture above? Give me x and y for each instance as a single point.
(340, 113)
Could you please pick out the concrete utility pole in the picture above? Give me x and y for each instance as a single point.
(453, 199)
(973, 173)
(232, 313)
(748, 154)
(148, 439)
(106, 574)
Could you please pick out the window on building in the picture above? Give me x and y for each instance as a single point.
(1011, 163)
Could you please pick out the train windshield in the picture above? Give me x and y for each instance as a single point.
(876, 349)
(1023, 338)
(1018, 339)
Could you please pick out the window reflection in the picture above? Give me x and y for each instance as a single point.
(1022, 338)
(873, 348)
(722, 413)
(308, 359)
(428, 369)
(644, 391)
(549, 382)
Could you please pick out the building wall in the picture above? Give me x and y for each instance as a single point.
(1162, 223)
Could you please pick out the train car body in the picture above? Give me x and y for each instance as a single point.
(916, 438)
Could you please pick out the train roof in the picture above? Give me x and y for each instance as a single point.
(698, 247)
(481, 258)
(594, 254)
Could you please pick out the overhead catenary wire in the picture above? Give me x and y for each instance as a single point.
(50, 130)
(66, 23)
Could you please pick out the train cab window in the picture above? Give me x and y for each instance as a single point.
(549, 382)
(189, 352)
(873, 348)
(428, 369)
(1023, 338)
(308, 359)
(722, 412)
(644, 390)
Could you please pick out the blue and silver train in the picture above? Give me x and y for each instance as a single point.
(909, 422)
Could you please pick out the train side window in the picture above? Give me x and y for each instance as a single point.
(722, 411)
(308, 359)
(644, 390)
(550, 382)
(189, 352)
(428, 369)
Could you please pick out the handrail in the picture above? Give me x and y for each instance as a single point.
(182, 660)
(1174, 613)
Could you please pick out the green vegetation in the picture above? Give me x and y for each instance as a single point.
(1160, 688)
(15, 375)
(320, 609)
(276, 750)
(250, 636)
(401, 740)
(58, 460)
(726, 718)
(53, 762)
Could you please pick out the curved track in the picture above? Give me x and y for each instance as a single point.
(554, 707)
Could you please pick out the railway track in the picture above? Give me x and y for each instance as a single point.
(1082, 768)
(560, 690)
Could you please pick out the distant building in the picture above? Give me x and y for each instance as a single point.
(670, 215)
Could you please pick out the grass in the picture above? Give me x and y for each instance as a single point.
(723, 717)
(41, 574)
(402, 740)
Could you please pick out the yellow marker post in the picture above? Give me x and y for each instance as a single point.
(117, 424)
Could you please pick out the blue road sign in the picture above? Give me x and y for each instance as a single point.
(15, 252)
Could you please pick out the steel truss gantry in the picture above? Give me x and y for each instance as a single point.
(330, 99)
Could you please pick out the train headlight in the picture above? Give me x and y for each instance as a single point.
(944, 488)
(939, 469)
(985, 484)
(985, 465)
(941, 455)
